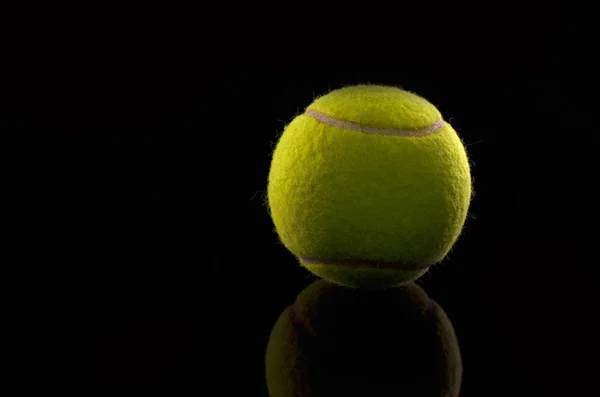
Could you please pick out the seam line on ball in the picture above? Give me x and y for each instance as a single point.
(365, 263)
(351, 125)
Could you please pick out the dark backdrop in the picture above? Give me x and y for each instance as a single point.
(138, 249)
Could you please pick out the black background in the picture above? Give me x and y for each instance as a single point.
(138, 250)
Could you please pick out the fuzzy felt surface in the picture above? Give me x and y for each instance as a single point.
(337, 193)
(378, 106)
(336, 341)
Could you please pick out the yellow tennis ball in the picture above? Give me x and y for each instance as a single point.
(369, 187)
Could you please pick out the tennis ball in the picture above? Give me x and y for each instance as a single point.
(369, 186)
(338, 341)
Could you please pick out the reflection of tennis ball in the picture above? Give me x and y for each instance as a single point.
(337, 341)
(369, 186)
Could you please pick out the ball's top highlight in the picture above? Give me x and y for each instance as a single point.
(377, 109)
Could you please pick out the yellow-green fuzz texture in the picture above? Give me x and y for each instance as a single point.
(363, 208)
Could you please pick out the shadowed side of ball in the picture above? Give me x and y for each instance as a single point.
(336, 341)
(369, 187)
(364, 274)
